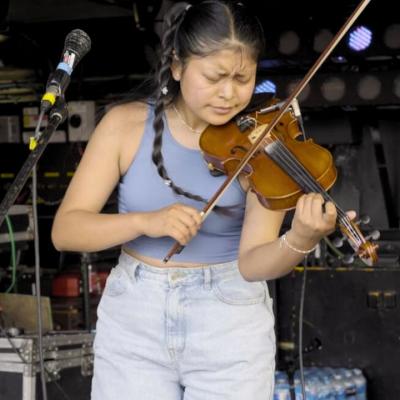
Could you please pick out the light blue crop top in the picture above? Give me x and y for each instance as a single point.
(142, 189)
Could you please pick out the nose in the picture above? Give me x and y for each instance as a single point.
(227, 90)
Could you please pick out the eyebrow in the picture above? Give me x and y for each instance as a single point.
(240, 74)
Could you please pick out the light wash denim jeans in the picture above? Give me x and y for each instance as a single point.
(183, 333)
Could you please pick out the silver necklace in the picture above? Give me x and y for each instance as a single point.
(184, 122)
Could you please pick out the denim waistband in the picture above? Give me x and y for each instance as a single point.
(176, 276)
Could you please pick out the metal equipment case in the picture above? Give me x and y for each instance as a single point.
(68, 356)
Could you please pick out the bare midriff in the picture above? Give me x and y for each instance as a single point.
(159, 263)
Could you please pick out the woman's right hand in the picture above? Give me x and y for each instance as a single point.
(179, 221)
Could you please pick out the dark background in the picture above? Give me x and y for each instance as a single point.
(363, 134)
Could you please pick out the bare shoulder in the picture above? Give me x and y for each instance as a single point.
(124, 118)
(100, 167)
(122, 128)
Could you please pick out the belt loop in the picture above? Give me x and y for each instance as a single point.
(207, 278)
(130, 269)
(133, 270)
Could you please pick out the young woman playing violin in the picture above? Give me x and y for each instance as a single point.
(201, 326)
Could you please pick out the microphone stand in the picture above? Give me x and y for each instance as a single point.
(57, 115)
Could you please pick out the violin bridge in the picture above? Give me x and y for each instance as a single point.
(256, 132)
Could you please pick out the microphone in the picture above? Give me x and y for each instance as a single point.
(77, 44)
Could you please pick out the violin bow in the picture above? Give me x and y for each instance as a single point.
(177, 247)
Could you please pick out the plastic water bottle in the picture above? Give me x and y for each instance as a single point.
(338, 387)
(297, 387)
(326, 388)
(311, 383)
(316, 386)
(349, 383)
(361, 384)
(338, 384)
(282, 387)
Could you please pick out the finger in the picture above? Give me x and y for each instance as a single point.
(300, 204)
(180, 233)
(192, 212)
(351, 214)
(308, 205)
(317, 202)
(330, 213)
(188, 221)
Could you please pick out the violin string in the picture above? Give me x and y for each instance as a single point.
(291, 162)
(308, 181)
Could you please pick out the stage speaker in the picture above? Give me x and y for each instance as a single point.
(351, 319)
(81, 120)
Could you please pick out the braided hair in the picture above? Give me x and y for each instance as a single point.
(200, 30)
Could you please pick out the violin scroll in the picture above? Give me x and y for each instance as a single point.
(363, 247)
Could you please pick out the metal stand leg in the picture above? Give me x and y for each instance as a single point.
(29, 387)
(85, 270)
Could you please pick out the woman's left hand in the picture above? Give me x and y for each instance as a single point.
(313, 219)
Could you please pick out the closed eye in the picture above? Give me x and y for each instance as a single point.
(213, 79)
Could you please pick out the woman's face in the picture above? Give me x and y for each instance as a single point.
(216, 87)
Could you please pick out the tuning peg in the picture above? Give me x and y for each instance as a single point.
(374, 235)
(348, 259)
(338, 242)
(364, 219)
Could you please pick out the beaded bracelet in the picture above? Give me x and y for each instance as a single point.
(283, 240)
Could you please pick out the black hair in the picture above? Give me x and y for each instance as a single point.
(200, 29)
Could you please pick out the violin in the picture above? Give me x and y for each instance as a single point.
(282, 168)
(269, 146)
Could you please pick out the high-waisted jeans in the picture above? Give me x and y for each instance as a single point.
(183, 333)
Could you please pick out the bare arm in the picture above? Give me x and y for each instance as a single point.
(78, 224)
(262, 256)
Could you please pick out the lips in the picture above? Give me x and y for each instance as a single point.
(222, 110)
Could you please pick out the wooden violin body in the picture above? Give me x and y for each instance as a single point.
(224, 146)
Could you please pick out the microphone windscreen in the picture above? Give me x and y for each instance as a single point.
(78, 42)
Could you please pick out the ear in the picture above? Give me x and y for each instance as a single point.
(176, 68)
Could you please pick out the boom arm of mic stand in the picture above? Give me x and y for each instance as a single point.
(57, 116)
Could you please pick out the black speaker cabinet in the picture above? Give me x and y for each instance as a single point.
(351, 319)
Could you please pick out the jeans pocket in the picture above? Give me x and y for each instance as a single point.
(117, 282)
(236, 290)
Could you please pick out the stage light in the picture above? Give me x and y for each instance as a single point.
(369, 87)
(339, 59)
(265, 86)
(333, 89)
(360, 38)
(321, 40)
(391, 37)
(289, 43)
